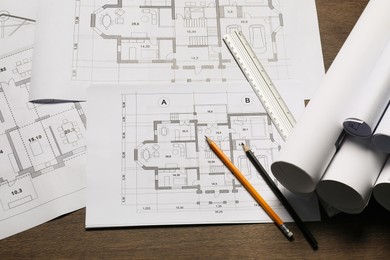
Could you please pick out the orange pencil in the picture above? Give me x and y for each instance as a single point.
(271, 213)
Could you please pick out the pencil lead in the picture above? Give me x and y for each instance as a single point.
(245, 147)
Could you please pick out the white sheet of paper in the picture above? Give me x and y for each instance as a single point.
(42, 147)
(382, 187)
(348, 181)
(169, 41)
(312, 144)
(381, 137)
(149, 164)
(371, 99)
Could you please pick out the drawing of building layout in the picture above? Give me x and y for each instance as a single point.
(173, 41)
(167, 166)
(157, 168)
(35, 139)
(42, 146)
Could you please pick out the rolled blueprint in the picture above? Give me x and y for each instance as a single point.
(381, 137)
(312, 144)
(348, 182)
(371, 99)
(382, 187)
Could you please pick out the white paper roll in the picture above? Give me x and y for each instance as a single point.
(311, 146)
(348, 182)
(381, 137)
(370, 101)
(382, 187)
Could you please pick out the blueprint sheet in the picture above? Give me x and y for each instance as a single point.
(149, 163)
(125, 41)
(42, 147)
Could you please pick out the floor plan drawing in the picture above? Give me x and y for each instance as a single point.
(175, 41)
(132, 41)
(159, 170)
(35, 139)
(42, 146)
(169, 148)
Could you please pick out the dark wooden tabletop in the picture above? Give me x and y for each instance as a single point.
(344, 236)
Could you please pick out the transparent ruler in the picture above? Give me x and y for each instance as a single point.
(261, 83)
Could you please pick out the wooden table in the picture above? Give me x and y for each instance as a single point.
(366, 235)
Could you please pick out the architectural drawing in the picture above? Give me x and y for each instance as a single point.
(175, 41)
(167, 164)
(156, 167)
(42, 146)
(35, 139)
(128, 41)
(11, 24)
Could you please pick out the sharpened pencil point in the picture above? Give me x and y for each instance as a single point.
(245, 147)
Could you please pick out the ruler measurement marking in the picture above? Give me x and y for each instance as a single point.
(260, 82)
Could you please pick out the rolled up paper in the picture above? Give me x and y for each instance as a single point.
(370, 101)
(313, 142)
(348, 182)
(382, 187)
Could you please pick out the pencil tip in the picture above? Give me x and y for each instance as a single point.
(245, 147)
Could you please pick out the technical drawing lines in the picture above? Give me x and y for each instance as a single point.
(10, 24)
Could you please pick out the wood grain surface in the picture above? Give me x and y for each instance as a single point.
(344, 236)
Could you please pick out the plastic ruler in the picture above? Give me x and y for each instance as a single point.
(260, 82)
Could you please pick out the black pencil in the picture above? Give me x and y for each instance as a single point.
(305, 231)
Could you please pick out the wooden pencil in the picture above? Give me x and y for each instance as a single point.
(305, 231)
(252, 191)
